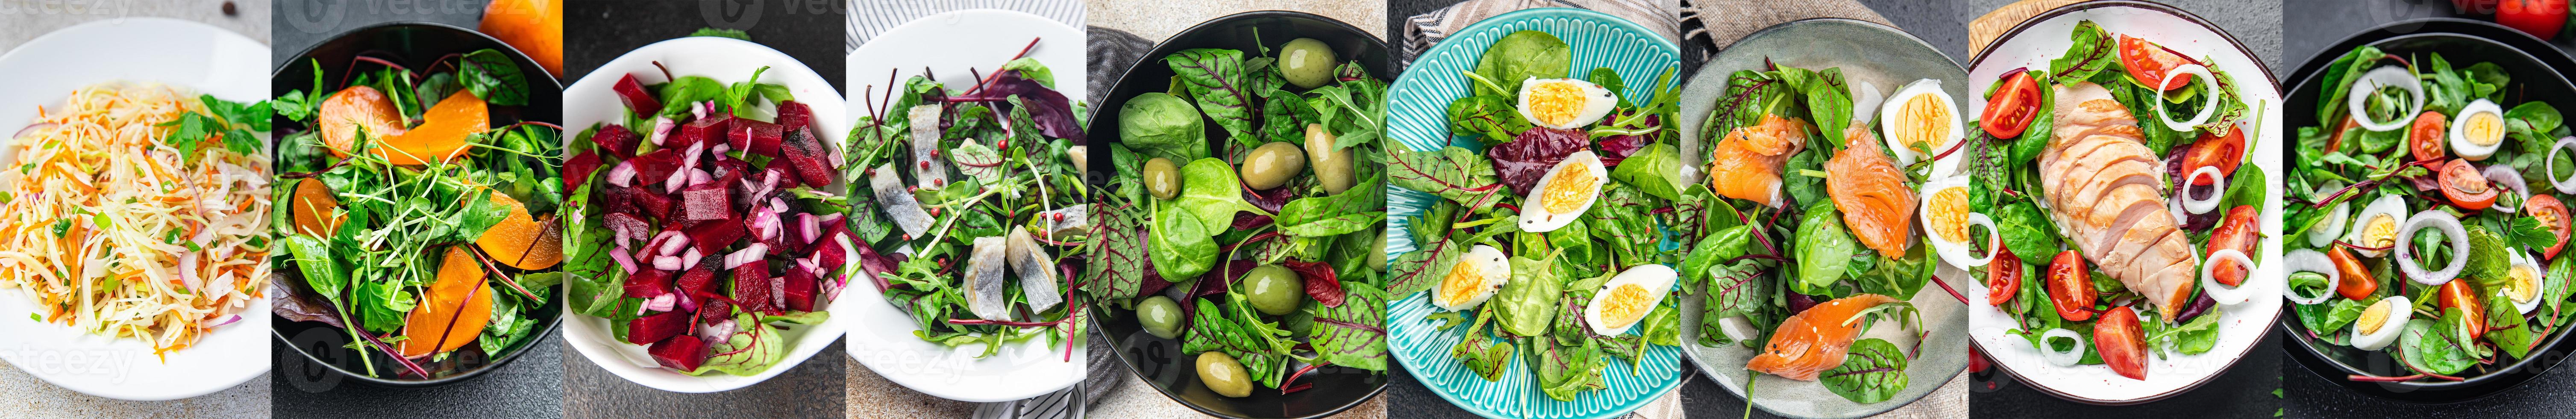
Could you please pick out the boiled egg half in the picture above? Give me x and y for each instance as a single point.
(1921, 115)
(1565, 193)
(1473, 279)
(1564, 103)
(2478, 130)
(2524, 284)
(1946, 218)
(2380, 323)
(1623, 302)
(2377, 226)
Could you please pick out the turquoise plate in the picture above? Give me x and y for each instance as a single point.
(1418, 118)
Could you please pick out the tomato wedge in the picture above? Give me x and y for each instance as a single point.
(2552, 214)
(2070, 287)
(2225, 152)
(2466, 188)
(2424, 139)
(2148, 63)
(2356, 284)
(2457, 294)
(2012, 107)
(2234, 232)
(2003, 277)
(2122, 344)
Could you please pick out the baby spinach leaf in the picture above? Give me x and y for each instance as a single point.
(1181, 245)
(1721, 246)
(747, 352)
(1217, 80)
(1873, 372)
(1351, 211)
(1823, 249)
(2025, 231)
(1663, 326)
(1480, 352)
(1898, 277)
(1212, 194)
(1655, 170)
(1566, 370)
(1161, 125)
(2424, 348)
(1523, 55)
(1528, 301)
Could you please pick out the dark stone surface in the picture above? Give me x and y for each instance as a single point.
(297, 25)
(808, 390)
(600, 30)
(530, 386)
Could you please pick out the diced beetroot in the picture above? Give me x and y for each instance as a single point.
(648, 283)
(800, 290)
(653, 204)
(714, 311)
(619, 200)
(705, 203)
(712, 236)
(695, 281)
(749, 136)
(806, 154)
(702, 130)
(758, 268)
(616, 140)
(652, 168)
(787, 176)
(631, 93)
(636, 229)
(794, 115)
(827, 250)
(577, 170)
(682, 352)
(654, 328)
(752, 293)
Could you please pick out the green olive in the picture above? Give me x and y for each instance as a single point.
(1307, 62)
(1160, 316)
(1162, 178)
(1274, 289)
(1221, 374)
(1332, 168)
(1272, 165)
(1377, 260)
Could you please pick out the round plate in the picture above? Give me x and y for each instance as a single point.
(1895, 58)
(2462, 42)
(1418, 118)
(880, 335)
(175, 52)
(727, 60)
(1159, 361)
(2030, 45)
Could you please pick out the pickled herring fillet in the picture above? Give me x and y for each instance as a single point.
(1036, 268)
(984, 279)
(898, 201)
(928, 169)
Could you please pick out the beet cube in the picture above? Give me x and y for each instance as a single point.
(636, 229)
(648, 283)
(682, 352)
(632, 93)
(749, 135)
(695, 281)
(712, 236)
(827, 251)
(800, 289)
(616, 140)
(710, 130)
(705, 203)
(653, 204)
(654, 328)
(654, 167)
(787, 173)
(794, 115)
(714, 311)
(806, 154)
(752, 293)
(577, 170)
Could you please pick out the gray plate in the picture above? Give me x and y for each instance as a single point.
(1866, 52)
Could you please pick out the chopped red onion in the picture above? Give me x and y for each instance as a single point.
(692, 257)
(663, 302)
(623, 175)
(713, 332)
(807, 228)
(746, 255)
(687, 304)
(778, 291)
(672, 245)
(668, 263)
(700, 177)
(662, 129)
(624, 260)
(778, 205)
(227, 320)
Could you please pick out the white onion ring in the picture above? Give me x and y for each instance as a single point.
(2061, 358)
(2218, 184)
(2512, 180)
(2450, 226)
(2550, 163)
(2311, 260)
(2207, 108)
(2227, 295)
(2385, 76)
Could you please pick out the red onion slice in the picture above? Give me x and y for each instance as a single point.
(623, 175)
(624, 260)
(746, 255)
(227, 320)
(2459, 242)
(2311, 260)
(692, 257)
(807, 228)
(668, 263)
(2503, 174)
(662, 129)
(671, 246)
(662, 302)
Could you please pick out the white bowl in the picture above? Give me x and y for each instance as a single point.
(881, 335)
(167, 51)
(2240, 326)
(727, 60)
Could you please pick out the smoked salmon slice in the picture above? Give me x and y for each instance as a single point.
(1814, 340)
(1746, 164)
(1870, 191)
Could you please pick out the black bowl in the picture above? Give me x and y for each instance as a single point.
(2537, 75)
(1159, 361)
(414, 45)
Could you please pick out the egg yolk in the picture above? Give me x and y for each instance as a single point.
(1463, 282)
(2483, 128)
(1950, 214)
(1573, 184)
(2525, 285)
(1626, 305)
(1923, 121)
(2373, 318)
(2381, 231)
(1556, 103)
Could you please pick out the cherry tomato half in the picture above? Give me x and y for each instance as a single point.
(2424, 139)
(2070, 287)
(2222, 151)
(2012, 107)
(2466, 188)
(2148, 63)
(2458, 294)
(2122, 344)
(2356, 284)
(2234, 232)
(2552, 214)
(2003, 277)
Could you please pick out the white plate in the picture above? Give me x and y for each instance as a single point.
(881, 336)
(2241, 325)
(167, 51)
(727, 60)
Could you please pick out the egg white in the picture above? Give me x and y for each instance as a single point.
(2399, 311)
(2521, 260)
(1657, 279)
(1597, 102)
(2460, 136)
(1536, 219)
(1957, 253)
(1492, 271)
(2393, 206)
(1906, 155)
